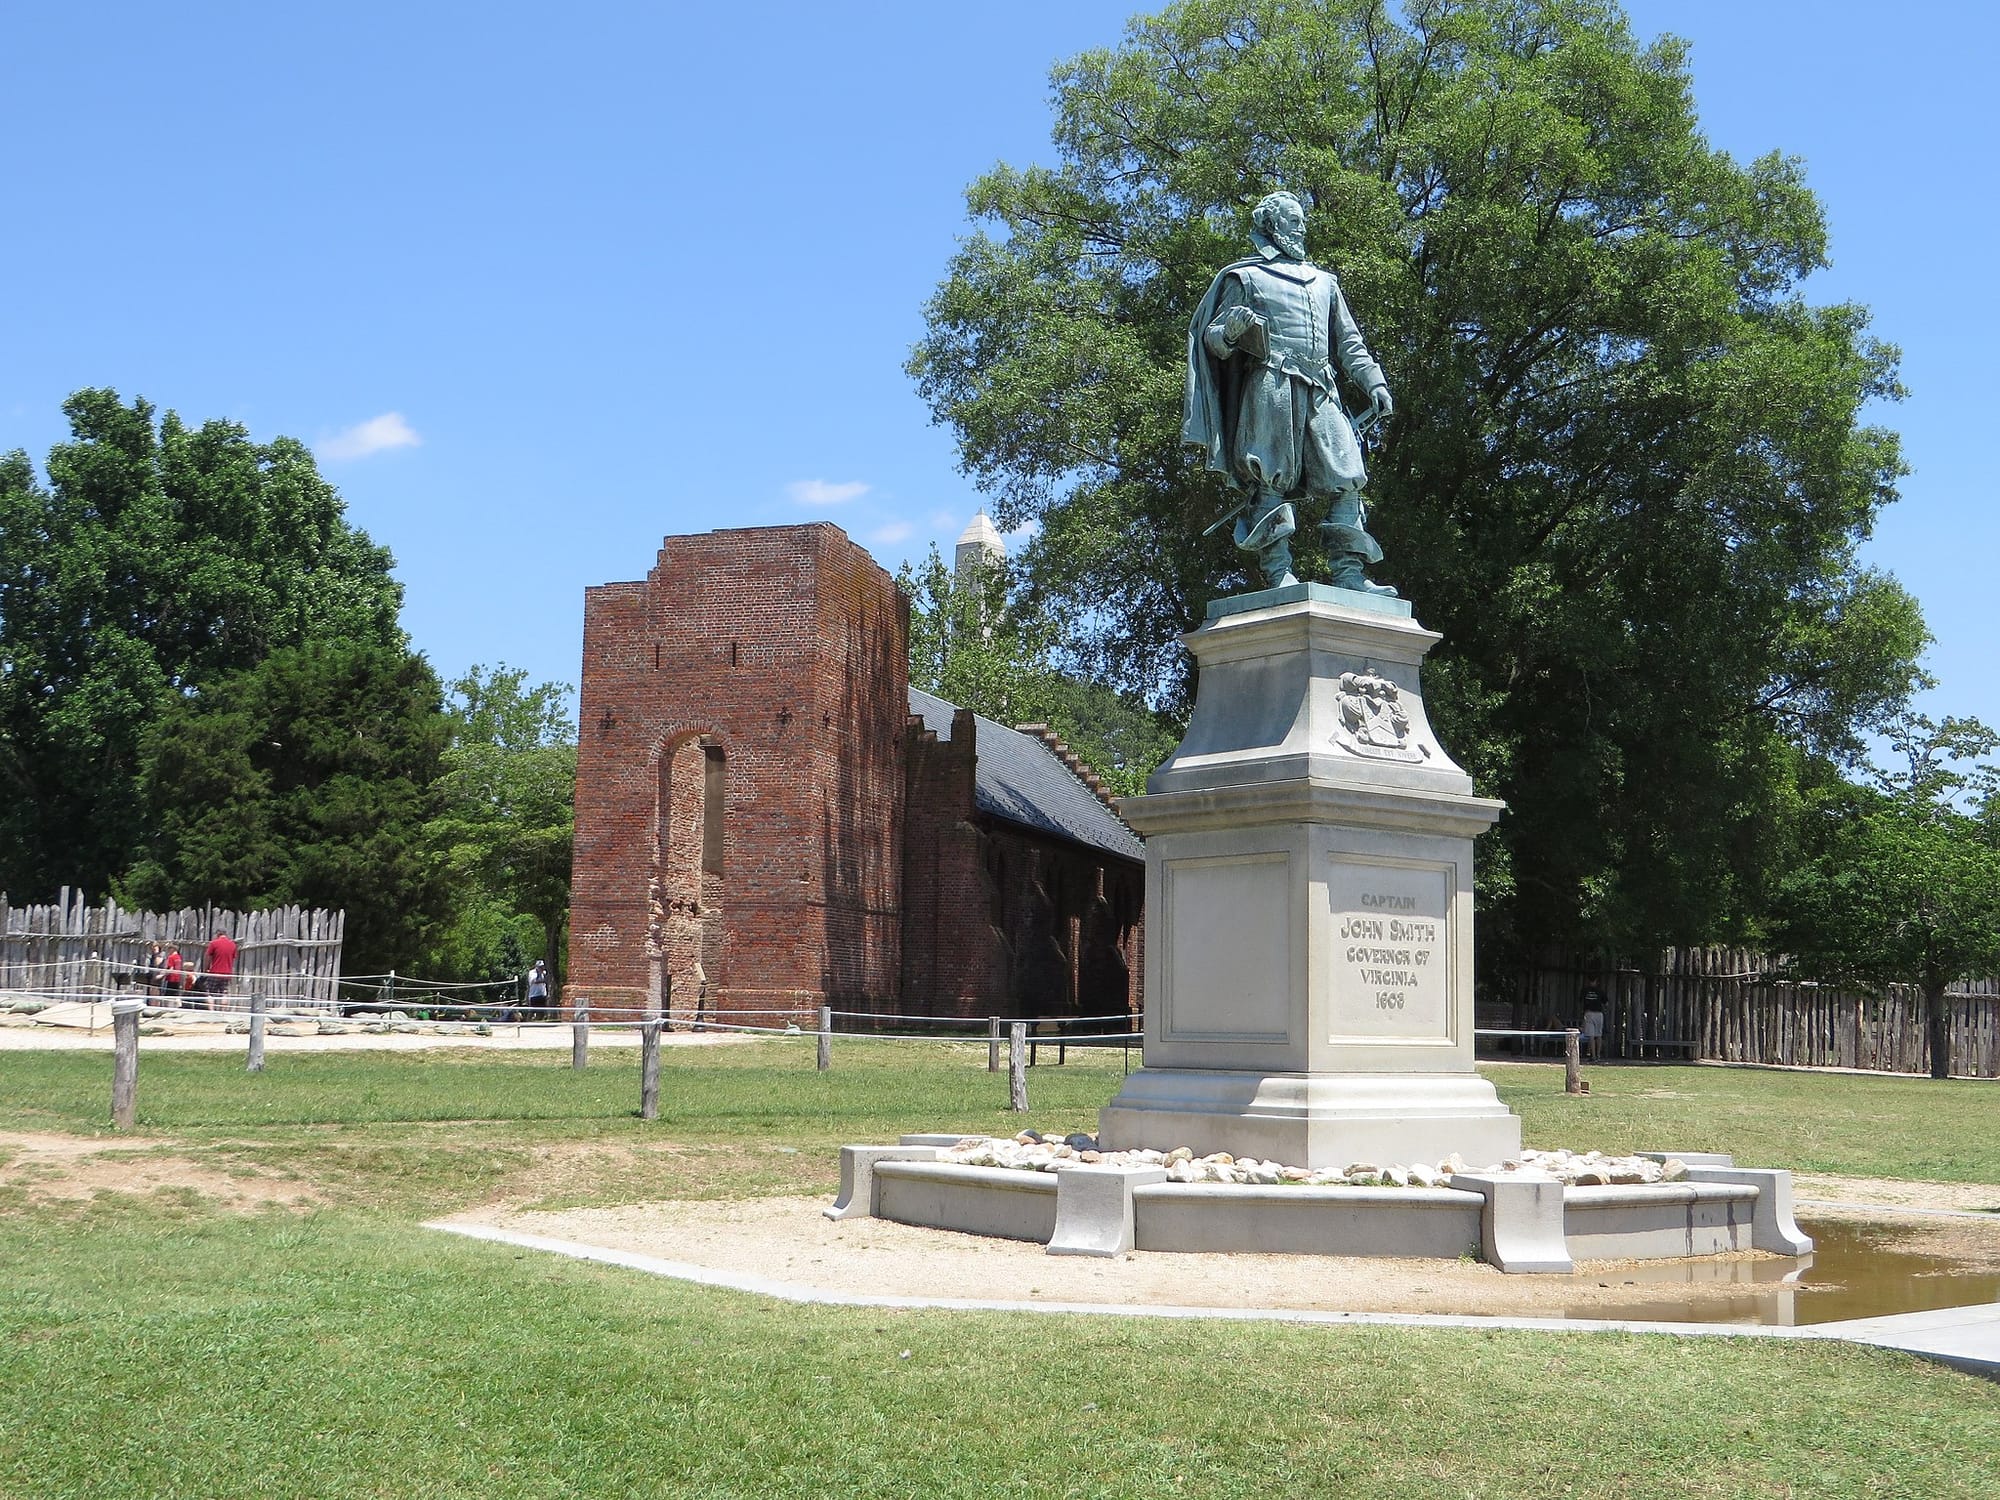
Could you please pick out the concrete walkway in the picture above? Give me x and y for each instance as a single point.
(1967, 1338)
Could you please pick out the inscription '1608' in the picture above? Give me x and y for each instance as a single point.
(1390, 950)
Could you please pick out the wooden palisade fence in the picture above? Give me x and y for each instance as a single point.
(1729, 1005)
(289, 954)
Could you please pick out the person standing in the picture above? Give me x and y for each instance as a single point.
(154, 966)
(1592, 1030)
(173, 976)
(218, 964)
(538, 992)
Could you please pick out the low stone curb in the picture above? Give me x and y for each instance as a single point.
(1906, 1333)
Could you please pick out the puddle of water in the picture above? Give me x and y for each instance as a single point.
(1855, 1271)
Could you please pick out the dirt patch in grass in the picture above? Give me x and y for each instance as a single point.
(1883, 1192)
(48, 1169)
(790, 1240)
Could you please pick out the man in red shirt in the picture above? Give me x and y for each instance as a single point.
(218, 963)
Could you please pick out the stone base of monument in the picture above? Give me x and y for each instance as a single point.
(1314, 1119)
(1309, 1000)
(1309, 901)
(1518, 1221)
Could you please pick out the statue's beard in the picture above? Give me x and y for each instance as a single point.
(1292, 246)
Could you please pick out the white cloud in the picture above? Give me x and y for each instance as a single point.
(894, 532)
(1021, 535)
(376, 435)
(822, 492)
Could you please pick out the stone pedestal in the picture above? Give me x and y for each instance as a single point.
(1309, 902)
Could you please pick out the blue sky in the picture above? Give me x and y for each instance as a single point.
(468, 251)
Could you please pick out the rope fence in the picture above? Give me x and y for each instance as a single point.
(126, 1014)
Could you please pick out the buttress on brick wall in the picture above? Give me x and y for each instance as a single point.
(769, 820)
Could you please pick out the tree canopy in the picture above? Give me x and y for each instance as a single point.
(156, 560)
(506, 823)
(1901, 883)
(1629, 467)
(308, 779)
(981, 642)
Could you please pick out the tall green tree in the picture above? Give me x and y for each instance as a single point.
(1628, 470)
(506, 823)
(156, 560)
(1902, 882)
(980, 640)
(306, 779)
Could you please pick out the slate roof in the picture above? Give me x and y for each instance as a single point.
(1019, 779)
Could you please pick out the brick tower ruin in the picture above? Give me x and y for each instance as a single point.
(739, 798)
(768, 818)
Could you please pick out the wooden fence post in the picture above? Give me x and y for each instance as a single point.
(649, 1071)
(825, 1058)
(125, 1062)
(1017, 1066)
(1572, 1061)
(992, 1044)
(255, 1064)
(579, 1036)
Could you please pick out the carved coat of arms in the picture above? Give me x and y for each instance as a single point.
(1373, 721)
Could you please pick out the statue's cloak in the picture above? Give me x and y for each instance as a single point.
(1209, 406)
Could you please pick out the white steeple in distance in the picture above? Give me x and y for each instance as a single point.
(979, 542)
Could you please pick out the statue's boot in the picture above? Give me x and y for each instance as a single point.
(1267, 531)
(1350, 549)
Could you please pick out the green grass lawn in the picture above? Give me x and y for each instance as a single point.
(1881, 1126)
(159, 1345)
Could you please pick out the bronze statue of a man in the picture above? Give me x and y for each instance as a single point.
(1261, 399)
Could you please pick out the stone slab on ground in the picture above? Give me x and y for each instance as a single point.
(784, 1248)
(1966, 1338)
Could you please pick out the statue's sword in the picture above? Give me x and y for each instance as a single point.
(1362, 425)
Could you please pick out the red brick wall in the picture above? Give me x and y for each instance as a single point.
(856, 870)
(786, 647)
(998, 922)
(955, 958)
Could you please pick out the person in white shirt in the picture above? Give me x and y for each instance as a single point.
(1593, 1022)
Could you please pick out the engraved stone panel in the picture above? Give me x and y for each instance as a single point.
(1391, 957)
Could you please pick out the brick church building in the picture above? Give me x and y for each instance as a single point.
(769, 818)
